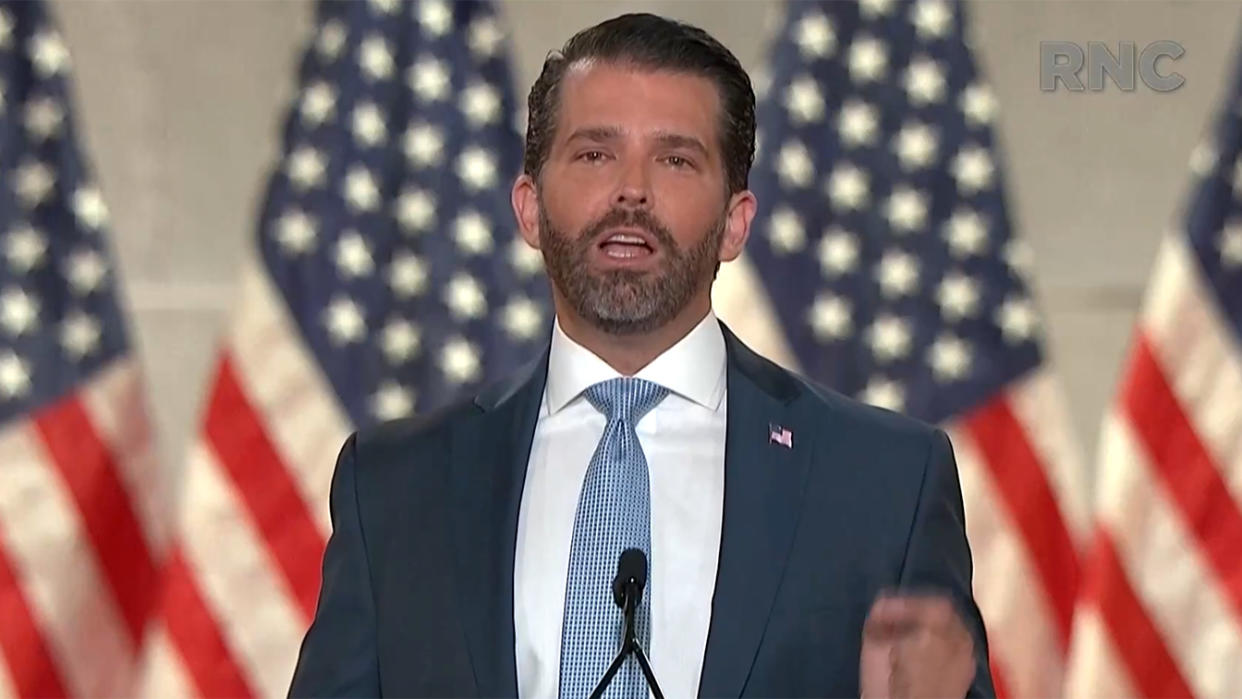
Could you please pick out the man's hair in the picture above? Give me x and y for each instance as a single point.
(650, 42)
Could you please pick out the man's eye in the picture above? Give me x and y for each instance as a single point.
(592, 156)
(677, 161)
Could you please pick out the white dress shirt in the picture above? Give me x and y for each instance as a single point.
(683, 438)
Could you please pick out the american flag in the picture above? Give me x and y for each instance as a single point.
(780, 435)
(388, 279)
(80, 506)
(1161, 606)
(885, 250)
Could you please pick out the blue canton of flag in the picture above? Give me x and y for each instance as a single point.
(1214, 214)
(59, 318)
(882, 210)
(388, 231)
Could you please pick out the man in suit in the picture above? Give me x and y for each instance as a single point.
(800, 544)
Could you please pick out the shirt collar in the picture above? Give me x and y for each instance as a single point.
(693, 368)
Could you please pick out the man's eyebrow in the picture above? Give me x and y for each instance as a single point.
(595, 133)
(676, 140)
(669, 139)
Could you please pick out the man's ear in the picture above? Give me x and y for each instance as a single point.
(738, 215)
(525, 200)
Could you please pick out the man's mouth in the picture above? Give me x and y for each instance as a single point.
(627, 244)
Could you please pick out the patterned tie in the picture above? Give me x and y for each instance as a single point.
(614, 513)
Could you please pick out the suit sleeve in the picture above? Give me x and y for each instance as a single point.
(338, 656)
(938, 554)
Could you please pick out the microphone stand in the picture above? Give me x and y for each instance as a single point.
(629, 645)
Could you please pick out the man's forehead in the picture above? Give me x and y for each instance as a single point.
(611, 92)
(588, 72)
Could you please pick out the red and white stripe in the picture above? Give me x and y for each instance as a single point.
(1026, 512)
(242, 584)
(1162, 595)
(81, 524)
(1024, 490)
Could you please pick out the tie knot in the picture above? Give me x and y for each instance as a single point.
(625, 398)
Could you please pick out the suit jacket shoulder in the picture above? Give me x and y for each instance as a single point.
(392, 442)
(861, 422)
(874, 422)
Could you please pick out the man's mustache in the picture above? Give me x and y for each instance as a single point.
(629, 218)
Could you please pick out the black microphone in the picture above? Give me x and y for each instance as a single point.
(631, 577)
(627, 592)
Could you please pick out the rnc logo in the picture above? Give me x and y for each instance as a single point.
(1064, 60)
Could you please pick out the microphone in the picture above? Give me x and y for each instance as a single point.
(627, 592)
(631, 577)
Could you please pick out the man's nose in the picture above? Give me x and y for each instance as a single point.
(634, 189)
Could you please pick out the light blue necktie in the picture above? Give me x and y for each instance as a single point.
(614, 513)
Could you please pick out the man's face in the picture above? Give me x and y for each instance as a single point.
(632, 212)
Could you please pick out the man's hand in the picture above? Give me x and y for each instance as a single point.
(915, 645)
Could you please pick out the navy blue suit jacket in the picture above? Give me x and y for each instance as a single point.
(417, 596)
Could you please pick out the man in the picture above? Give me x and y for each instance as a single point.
(800, 544)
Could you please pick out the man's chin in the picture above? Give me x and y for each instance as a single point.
(624, 326)
(623, 319)
(620, 279)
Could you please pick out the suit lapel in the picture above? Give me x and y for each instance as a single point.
(764, 483)
(489, 453)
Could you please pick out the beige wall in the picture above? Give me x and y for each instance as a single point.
(181, 102)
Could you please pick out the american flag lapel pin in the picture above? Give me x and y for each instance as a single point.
(780, 435)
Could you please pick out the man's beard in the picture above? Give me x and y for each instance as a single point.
(624, 301)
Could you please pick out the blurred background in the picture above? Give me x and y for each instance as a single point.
(1101, 478)
(183, 144)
